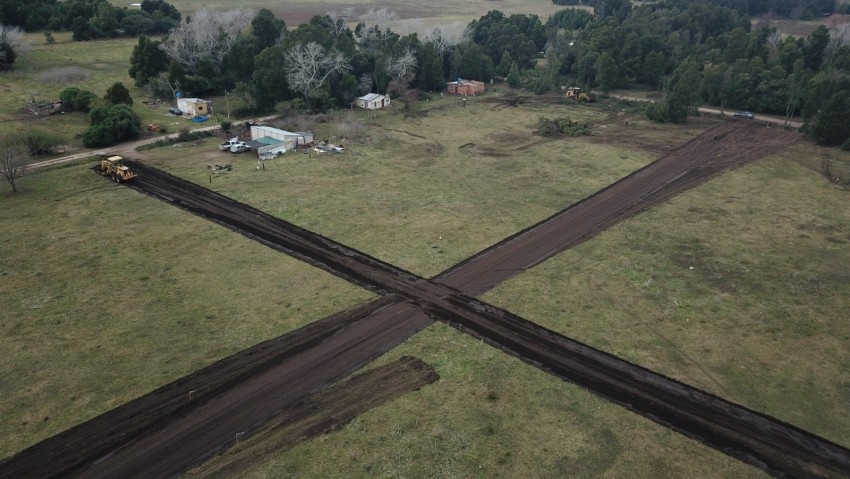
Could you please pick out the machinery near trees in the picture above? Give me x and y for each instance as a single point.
(576, 94)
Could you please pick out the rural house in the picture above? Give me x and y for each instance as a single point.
(373, 101)
(465, 87)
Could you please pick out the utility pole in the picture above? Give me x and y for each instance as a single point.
(227, 101)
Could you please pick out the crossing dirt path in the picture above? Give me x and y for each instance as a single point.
(183, 423)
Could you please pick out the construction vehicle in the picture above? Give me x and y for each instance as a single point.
(114, 168)
(574, 93)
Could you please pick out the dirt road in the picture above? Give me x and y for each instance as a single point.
(175, 427)
(761, 117)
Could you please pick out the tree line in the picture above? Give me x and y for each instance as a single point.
(692, 52)
(90, 19)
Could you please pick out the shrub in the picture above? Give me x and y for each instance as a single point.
(118, 94)
(74, 99)
(40, 142)
(561, 127)
(112, 124)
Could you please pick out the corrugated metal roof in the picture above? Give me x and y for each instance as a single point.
(371, 96)
(267, 140)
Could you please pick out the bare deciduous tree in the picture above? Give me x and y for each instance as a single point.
(367, 81)
(401, 71)
(446, 37)
(839, 36)
(13, 161)
(774, 40)
(16, 38)
(340, 18)
(377, 29)
(209, 36)
(310, 65)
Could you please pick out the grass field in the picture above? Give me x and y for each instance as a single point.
(415, 193)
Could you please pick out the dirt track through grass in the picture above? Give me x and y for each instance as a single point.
(761, 441)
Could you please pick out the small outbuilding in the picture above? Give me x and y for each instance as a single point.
(465, 87)
(193, 106)
(373, 101)
(272, 140)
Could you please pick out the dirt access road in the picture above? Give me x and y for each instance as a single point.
(773, 119)
(181, 424)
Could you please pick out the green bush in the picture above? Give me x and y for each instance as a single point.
(112, 124)
(561, 127)
(118, 94)
(75, 99)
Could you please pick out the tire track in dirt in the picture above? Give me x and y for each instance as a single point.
(755, 438)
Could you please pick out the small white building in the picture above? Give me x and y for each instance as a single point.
(193, 106)
(373, 101)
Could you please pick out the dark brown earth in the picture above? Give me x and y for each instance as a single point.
(324, 412)
(178, 426)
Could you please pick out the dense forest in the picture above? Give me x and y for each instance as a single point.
(692, 52)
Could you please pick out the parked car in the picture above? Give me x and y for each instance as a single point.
(744, 114)
(229, 143)
(175, 111)
(239, 148)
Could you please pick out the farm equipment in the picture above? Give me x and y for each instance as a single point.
(114, 168)
(574, 93)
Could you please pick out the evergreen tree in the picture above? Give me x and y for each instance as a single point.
(118, 94)
(514, 77)
(832, 125)
(147, 61)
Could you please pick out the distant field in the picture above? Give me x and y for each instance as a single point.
(411, 14)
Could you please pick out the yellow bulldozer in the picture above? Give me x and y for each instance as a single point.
(114, 168)
(574, 93)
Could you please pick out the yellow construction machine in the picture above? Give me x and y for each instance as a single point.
(114, 168)
(574, 93)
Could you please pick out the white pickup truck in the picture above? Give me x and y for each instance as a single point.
(228, 144)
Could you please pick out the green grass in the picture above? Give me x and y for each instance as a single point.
(113, 294)
(759, 320)
(738, 287)
(421, 204)
(108, 294)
